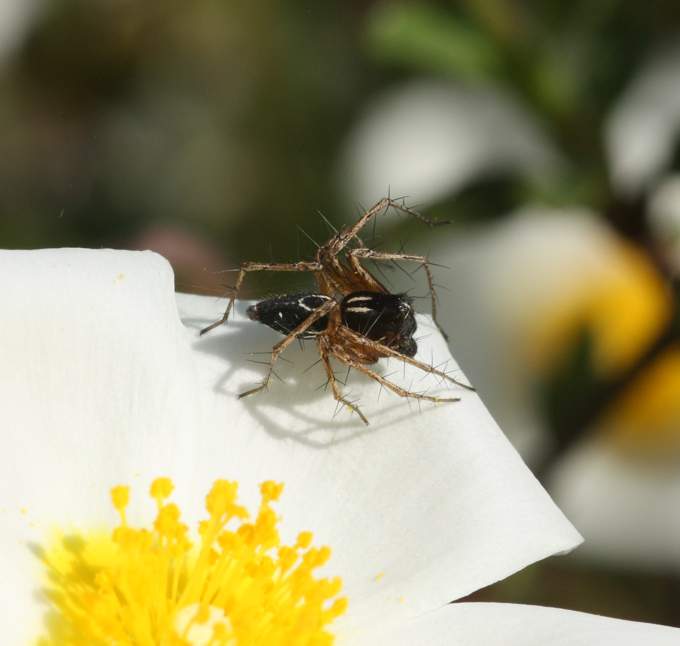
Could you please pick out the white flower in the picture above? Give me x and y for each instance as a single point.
(15, 18)
(642, 129)
(428, 139)
(507, 624)
(102, 384)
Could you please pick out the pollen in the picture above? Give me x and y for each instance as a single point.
(234, 584)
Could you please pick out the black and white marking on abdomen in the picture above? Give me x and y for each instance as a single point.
(285, 313)
(310, 302)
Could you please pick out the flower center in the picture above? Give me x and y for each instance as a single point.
(155, 587)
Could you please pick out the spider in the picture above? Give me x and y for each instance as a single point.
(352, 316)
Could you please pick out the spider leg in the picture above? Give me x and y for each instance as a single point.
(402, 392)
(354, 255)
(258, 266)
(287, 340)
(334, 386)
(353, 259)
(385, 350)
(342, 239)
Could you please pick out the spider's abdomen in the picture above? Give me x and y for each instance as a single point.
(387, 318)
(285, 313)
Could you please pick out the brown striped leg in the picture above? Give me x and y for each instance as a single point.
(402, 392)
(384, 350)
(286, 341)
(342, 239)
(334, 386)
(258, 266)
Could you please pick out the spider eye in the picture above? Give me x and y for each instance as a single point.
(253, 313)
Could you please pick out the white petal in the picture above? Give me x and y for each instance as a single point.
(664, 216)
(102, 384)
(426, 139)
(15, 19)
(504, 624)
(430, 504)
(642, 130)
(627, 510)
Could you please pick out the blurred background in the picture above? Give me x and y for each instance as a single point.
(214, 132)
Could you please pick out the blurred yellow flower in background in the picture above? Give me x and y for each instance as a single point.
(646, 418)
(620, 301)
(623, 306)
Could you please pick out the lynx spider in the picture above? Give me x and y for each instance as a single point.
(353, 316)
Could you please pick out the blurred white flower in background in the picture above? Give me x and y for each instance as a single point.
(427, 139)
(521, 290)
(625, 507)
(664, 213)
(15, 18)
(641, 130)
(509, 624)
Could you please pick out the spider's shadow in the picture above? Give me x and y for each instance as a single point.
(294, 395)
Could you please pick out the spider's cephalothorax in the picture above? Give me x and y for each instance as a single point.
(353, 316)
(386, 318)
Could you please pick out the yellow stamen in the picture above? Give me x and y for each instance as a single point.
(155, 587)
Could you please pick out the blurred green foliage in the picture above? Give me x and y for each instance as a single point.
(224, 119)
(432, 39)
(218, 118)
